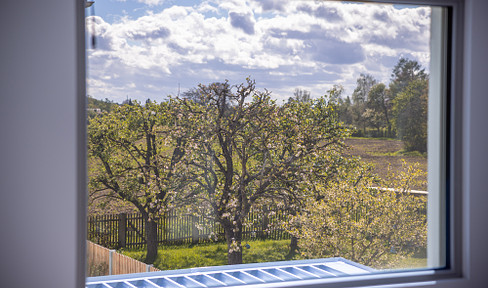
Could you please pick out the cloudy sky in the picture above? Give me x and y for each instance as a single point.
(155, 48)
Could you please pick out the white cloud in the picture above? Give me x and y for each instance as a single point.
(234, 5)
(316, 46)
(206, 6)
(151, 2)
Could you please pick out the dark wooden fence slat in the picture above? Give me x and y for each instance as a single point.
(178, 227)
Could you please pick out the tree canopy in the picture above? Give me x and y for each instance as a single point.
(243, 149)
(225, 149)
(133, 159)
(410, 110)
(375, 110)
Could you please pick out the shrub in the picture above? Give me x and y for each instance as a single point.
(362, 223)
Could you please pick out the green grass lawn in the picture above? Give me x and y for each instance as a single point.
(417, 260)
(215, 254)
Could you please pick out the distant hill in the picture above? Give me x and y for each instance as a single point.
(103, 105)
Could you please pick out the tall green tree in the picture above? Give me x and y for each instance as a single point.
(335, 94)
(300, 95)
(344, 110)
(133, 159)
(244, 149)
(408, 93)
(364, 83)
(380, 107)
(404, 72)
(410, 108)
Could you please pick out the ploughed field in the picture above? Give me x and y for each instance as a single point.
(383, 153)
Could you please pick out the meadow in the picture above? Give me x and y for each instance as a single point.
(257, 251)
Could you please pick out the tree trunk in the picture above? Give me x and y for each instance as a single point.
(151, 240)
(293, 246)
(233, 237)
(293, 241)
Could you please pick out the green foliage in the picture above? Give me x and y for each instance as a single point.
(243, 149)
(408, 95)
(405, 72)
(133, 159)
(300, 96)
(410, 109)
(129, 152)
(364, 84)
(360, 98)
(371, 106)
(226, 149)
(343, 105)
(96, 107)
(362, 223)
(378, 108)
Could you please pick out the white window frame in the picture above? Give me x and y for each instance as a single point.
(43, 163)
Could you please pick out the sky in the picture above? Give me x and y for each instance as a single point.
(150, 49)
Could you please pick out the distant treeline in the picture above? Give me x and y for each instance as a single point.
(397, 110)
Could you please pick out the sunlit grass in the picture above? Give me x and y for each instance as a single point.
(414, 261)
(215, 254)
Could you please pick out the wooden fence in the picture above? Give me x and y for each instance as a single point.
(102, 261)
(177, 227)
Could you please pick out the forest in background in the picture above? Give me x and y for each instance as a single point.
(223, 149)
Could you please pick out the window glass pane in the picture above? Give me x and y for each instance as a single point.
(238, 132)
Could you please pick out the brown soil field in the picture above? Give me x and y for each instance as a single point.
(383, 153)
